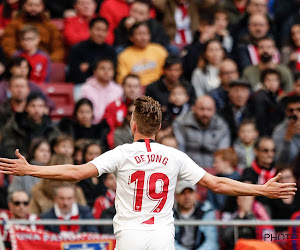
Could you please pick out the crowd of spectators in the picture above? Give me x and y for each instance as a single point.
(227, 76)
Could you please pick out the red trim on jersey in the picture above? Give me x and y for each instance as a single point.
(147, 141)
(150, 221)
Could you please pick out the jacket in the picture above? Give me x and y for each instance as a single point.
(199, 142)
(84, 213)
(51, 39)
(19, 132)
(206, 237)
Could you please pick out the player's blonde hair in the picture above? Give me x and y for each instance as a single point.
(147, 114)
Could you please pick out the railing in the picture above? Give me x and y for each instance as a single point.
(105, 222)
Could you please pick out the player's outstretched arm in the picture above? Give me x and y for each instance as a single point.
(271, 189)
(67, 172)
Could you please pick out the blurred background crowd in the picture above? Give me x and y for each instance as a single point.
(227, 75)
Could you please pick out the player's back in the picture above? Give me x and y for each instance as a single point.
(146, 179)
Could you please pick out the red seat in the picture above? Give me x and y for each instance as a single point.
(63, 97)
(58, 73)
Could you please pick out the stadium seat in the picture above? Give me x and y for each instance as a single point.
(63, 97)
(58, 72)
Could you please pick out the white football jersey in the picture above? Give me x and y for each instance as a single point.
(146, 179)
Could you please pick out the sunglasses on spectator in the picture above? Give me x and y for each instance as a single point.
(267, 150)
(18, 203)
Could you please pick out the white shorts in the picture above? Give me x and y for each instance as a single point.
(144, 240)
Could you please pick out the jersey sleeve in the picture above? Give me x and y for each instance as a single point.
(108, 162)
(189, 170)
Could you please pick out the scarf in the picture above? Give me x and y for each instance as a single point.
(263, 174)
(72, 215)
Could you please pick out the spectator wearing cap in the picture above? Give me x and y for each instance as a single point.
(287, 134)
(201, 132)
(267, 108)
(238, 107)
(84, 55)
(228, 72)
(19, 131)
(188, 208)
(266, 49)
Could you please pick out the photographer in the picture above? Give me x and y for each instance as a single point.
(287, 134)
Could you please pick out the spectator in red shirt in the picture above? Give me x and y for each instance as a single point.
(39, 61)
(106, 201)
(114, 11)
(116, 111)
(76, 28)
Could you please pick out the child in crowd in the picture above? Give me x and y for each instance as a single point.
(39, 61)
(101, 89)
(244, 145)
(267, 107)
(178, 103)
(64, 145)
(225, 163)
(221, 22)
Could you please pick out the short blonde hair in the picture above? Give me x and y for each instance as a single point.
(147, 114)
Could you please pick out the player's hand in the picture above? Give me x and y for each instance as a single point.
(275, 190)
(18, 166)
